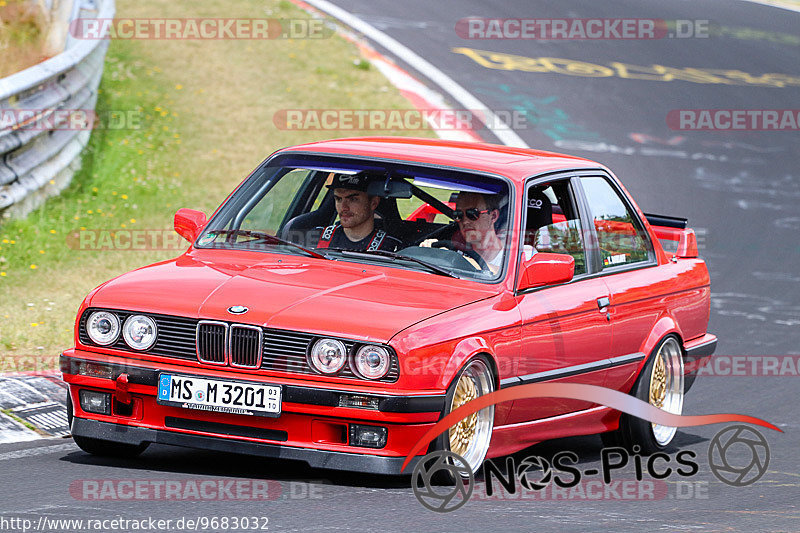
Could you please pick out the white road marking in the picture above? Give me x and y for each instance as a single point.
(775, 3)
(26, 386)
(49, 420)
(500, 129)
(41, 450)
(13, 431)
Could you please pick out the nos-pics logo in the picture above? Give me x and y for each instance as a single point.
(443, 482)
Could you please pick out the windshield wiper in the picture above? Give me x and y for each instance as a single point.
(395, 256)
(266, 237)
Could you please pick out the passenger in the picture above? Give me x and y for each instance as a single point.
(357, 228)
(477, 215)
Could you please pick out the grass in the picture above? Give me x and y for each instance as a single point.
(9, 413)
(206, 119)
(23, 28)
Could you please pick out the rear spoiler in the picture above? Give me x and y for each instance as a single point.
(667, 221)
(675, 229)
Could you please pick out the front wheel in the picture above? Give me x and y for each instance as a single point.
(471, 436)
(661, 385)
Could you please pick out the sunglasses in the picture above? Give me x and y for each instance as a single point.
(473, 213)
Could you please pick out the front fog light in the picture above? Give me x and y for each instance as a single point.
(139, 332)
(372, 362)
(103, 328)
(368, 436)
(95, 402)
(328, 356)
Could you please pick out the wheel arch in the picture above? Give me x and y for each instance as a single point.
(664, 326)
(464, 351)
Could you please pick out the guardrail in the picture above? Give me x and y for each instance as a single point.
(38, 154)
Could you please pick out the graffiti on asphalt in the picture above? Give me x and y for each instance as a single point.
(543, 113)
(571, 67)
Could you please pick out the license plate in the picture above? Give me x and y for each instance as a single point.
(217, 395)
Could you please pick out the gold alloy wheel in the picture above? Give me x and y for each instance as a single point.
(658, 382)
(470, 437)
(666, 386)
(462, 433)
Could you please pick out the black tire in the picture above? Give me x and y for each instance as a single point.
(633, 431)
(611, 439)
(104, 448)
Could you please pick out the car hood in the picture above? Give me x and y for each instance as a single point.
(338, 298)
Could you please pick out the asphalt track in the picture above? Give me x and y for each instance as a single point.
(739, 190)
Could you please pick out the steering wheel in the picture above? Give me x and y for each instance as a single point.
(459, 248)
(435, 233)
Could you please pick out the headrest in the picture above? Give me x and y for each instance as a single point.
(540, 211)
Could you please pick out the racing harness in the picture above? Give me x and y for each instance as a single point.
(327, 236)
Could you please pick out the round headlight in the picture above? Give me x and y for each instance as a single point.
(139, 332)
(372, 362)
(328, 356)
(103, 327)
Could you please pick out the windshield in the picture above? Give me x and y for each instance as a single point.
(441, 221)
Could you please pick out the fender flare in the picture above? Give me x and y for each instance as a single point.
(665, 325)
(465, 350)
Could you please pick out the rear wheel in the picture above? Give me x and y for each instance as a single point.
(471, 436)
(661, 385)
(105, 448)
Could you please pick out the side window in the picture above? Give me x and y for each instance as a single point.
(552, 224)
(621, 239)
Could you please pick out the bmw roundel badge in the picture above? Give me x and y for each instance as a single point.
(237, 309)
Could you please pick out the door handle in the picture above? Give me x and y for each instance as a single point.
(603, 302)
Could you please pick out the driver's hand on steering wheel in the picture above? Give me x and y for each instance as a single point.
(473, 262)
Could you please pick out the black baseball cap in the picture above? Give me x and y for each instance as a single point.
(355, 182)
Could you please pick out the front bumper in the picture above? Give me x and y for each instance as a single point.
(312, 426)
(352, 462)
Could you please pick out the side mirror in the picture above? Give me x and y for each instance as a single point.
(189, 222)
(546, 269)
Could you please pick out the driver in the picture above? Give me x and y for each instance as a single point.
(357, 228)
(477, 215)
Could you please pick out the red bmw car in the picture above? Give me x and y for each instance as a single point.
(350, 293)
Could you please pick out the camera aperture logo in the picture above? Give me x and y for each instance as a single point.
(442, 498)
(732, 443)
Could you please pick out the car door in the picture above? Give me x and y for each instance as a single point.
(640, 291)
(566, 334)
